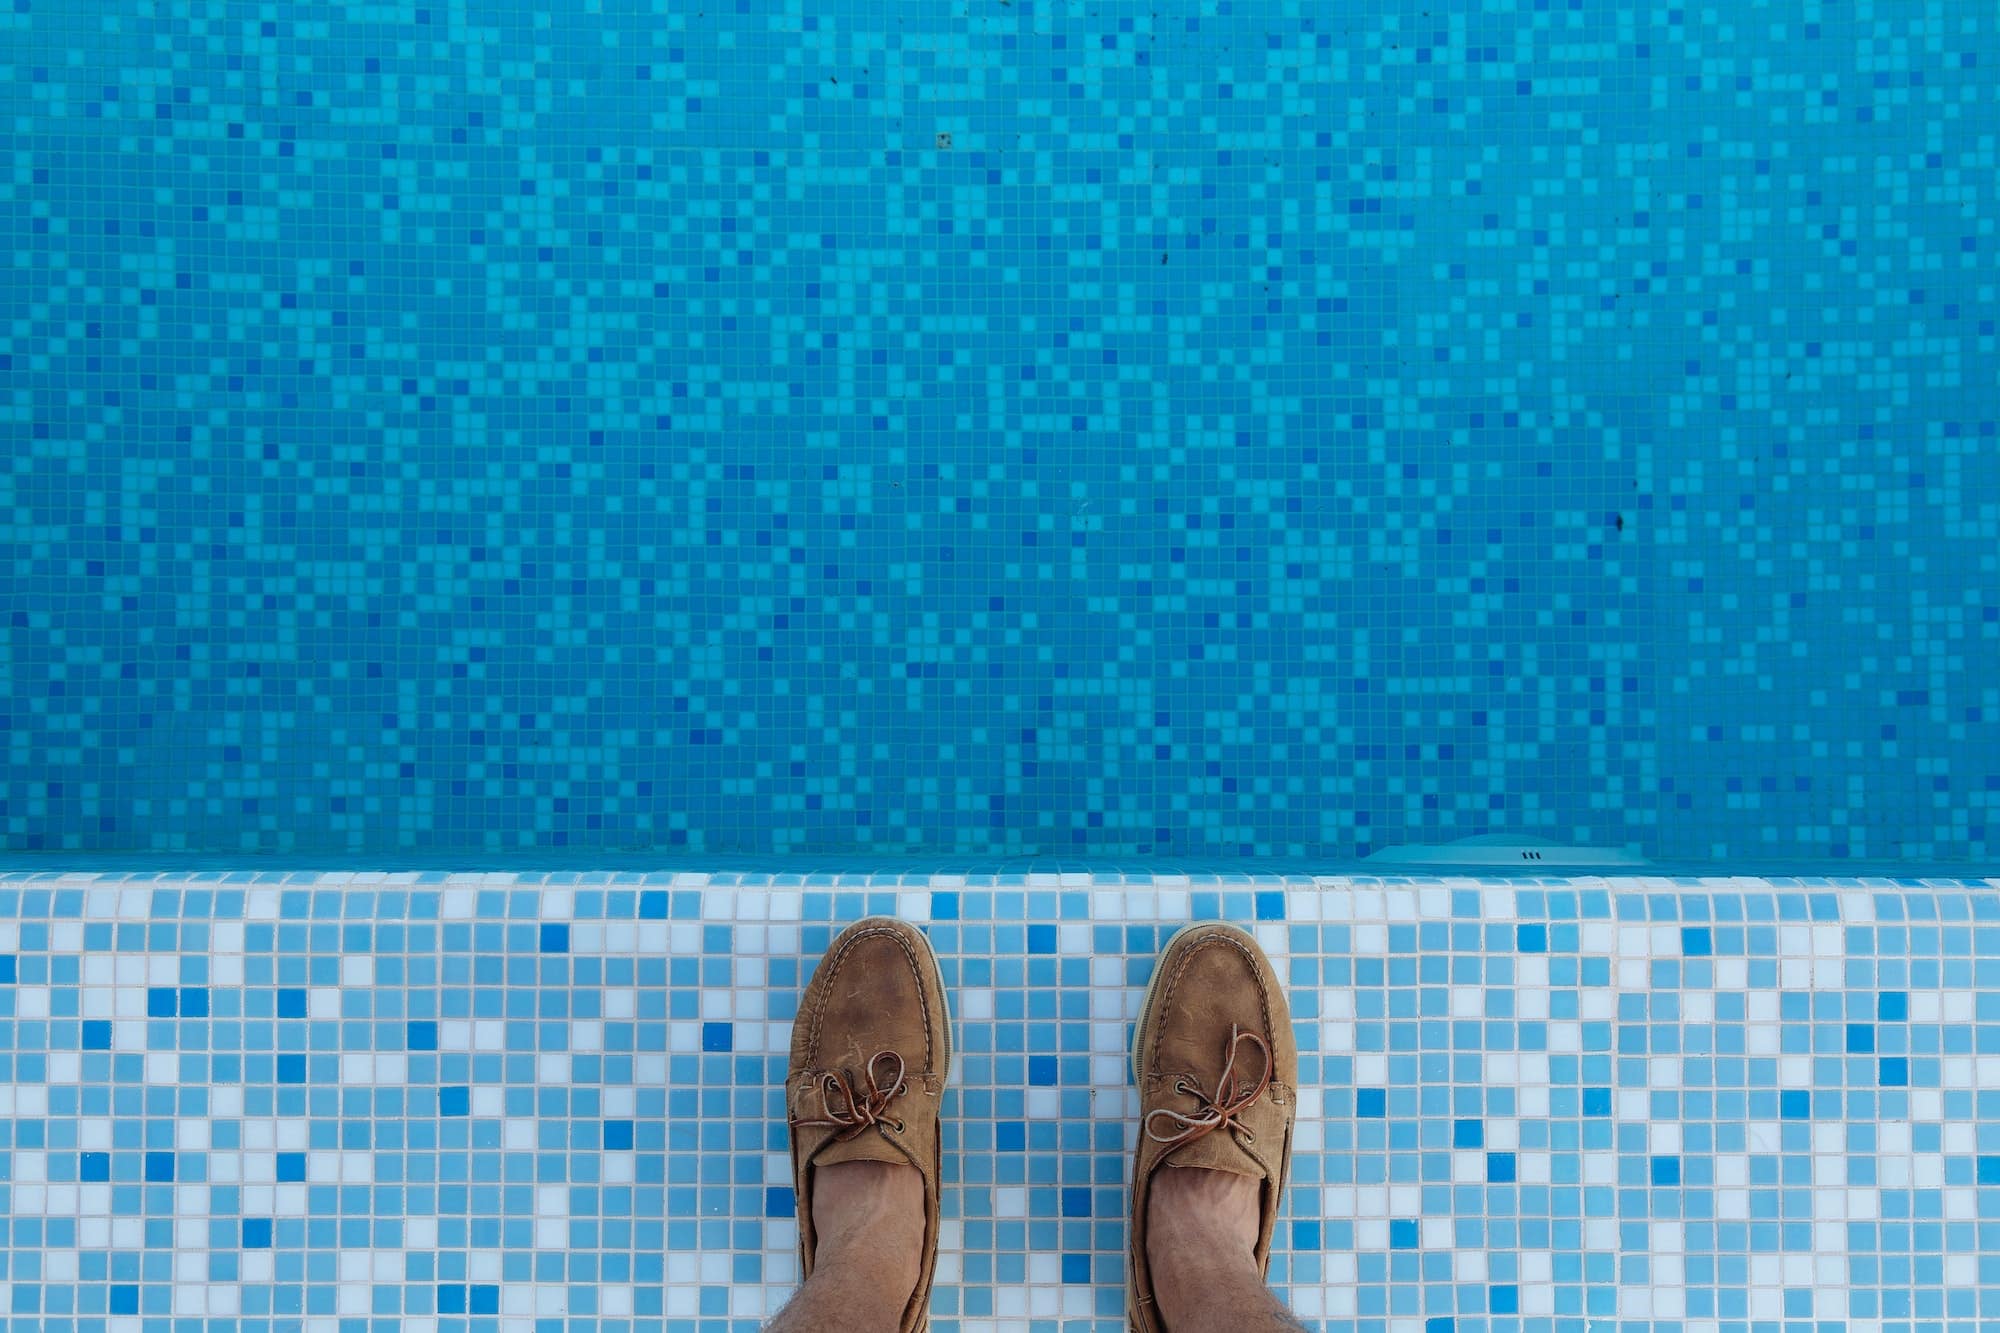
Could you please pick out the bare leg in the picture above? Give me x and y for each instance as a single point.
(1201, 1241)
(869, 1217)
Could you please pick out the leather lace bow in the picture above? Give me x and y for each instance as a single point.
(1224, 1107)
(852, 1114)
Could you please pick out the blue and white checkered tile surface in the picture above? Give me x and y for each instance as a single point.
(342, 1102)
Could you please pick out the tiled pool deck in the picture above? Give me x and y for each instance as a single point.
(541, 1101)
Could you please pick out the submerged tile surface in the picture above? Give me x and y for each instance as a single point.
(1268, 428)
(467, 1102)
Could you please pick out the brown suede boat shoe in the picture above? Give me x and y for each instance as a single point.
(1217, 1068)
(870, 1051)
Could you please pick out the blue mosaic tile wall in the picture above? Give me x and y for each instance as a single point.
(1118, 428)
(349, 1103)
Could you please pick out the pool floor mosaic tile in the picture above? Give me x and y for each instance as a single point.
(1084, 427)
(426, 1101)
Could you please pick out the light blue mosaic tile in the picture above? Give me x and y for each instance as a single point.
(340, 1102)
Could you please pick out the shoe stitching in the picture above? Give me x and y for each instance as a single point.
(834, 964)
(1166, 998)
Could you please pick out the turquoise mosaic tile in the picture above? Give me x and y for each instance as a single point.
(1000, 427)
(345, 1102)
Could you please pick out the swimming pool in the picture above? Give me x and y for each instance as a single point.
(522, 520)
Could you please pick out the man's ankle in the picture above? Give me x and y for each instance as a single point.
(866, 1217)
(862, 1284)
(1191, 1285)
(847, 1291)
(1201, 1242)
(884, 1273)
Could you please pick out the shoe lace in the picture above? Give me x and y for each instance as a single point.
(852, 1114)
(1224, 1107)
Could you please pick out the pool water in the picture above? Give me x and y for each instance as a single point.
(1265, 430)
